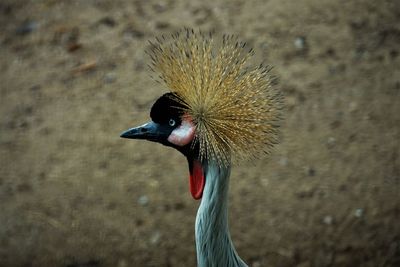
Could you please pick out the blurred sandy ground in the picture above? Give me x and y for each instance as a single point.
(73, 76)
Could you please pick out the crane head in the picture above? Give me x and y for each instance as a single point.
(219, 110)
(170, 126)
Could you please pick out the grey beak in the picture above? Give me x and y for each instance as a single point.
(150, 131)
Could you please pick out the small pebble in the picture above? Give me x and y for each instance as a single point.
(265, 182)
(360, 53)
(367, 117)
(154, 183)
(160, 7)
(143, 200)
(306, 191)
(353, 106)
(331, 142)
(283, 161)
(155, 238)
(359, 213)
(27, 27)
(110, 78)
(264, 45)
(328, 220)
(300, 42)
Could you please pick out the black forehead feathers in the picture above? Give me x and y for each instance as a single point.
(166, 107)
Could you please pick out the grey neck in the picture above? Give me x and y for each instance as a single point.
(213, 242)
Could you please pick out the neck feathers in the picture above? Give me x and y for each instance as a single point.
(213, 242)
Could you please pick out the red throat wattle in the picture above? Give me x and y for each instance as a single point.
(197, 179)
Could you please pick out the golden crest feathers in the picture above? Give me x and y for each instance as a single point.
(234, 108)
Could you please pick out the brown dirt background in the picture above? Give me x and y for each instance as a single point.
(73, 76)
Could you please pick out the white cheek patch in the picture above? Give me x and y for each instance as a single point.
(183, 134)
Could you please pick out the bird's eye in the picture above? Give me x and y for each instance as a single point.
(171, 122)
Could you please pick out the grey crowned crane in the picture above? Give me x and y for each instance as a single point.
(218, 111)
